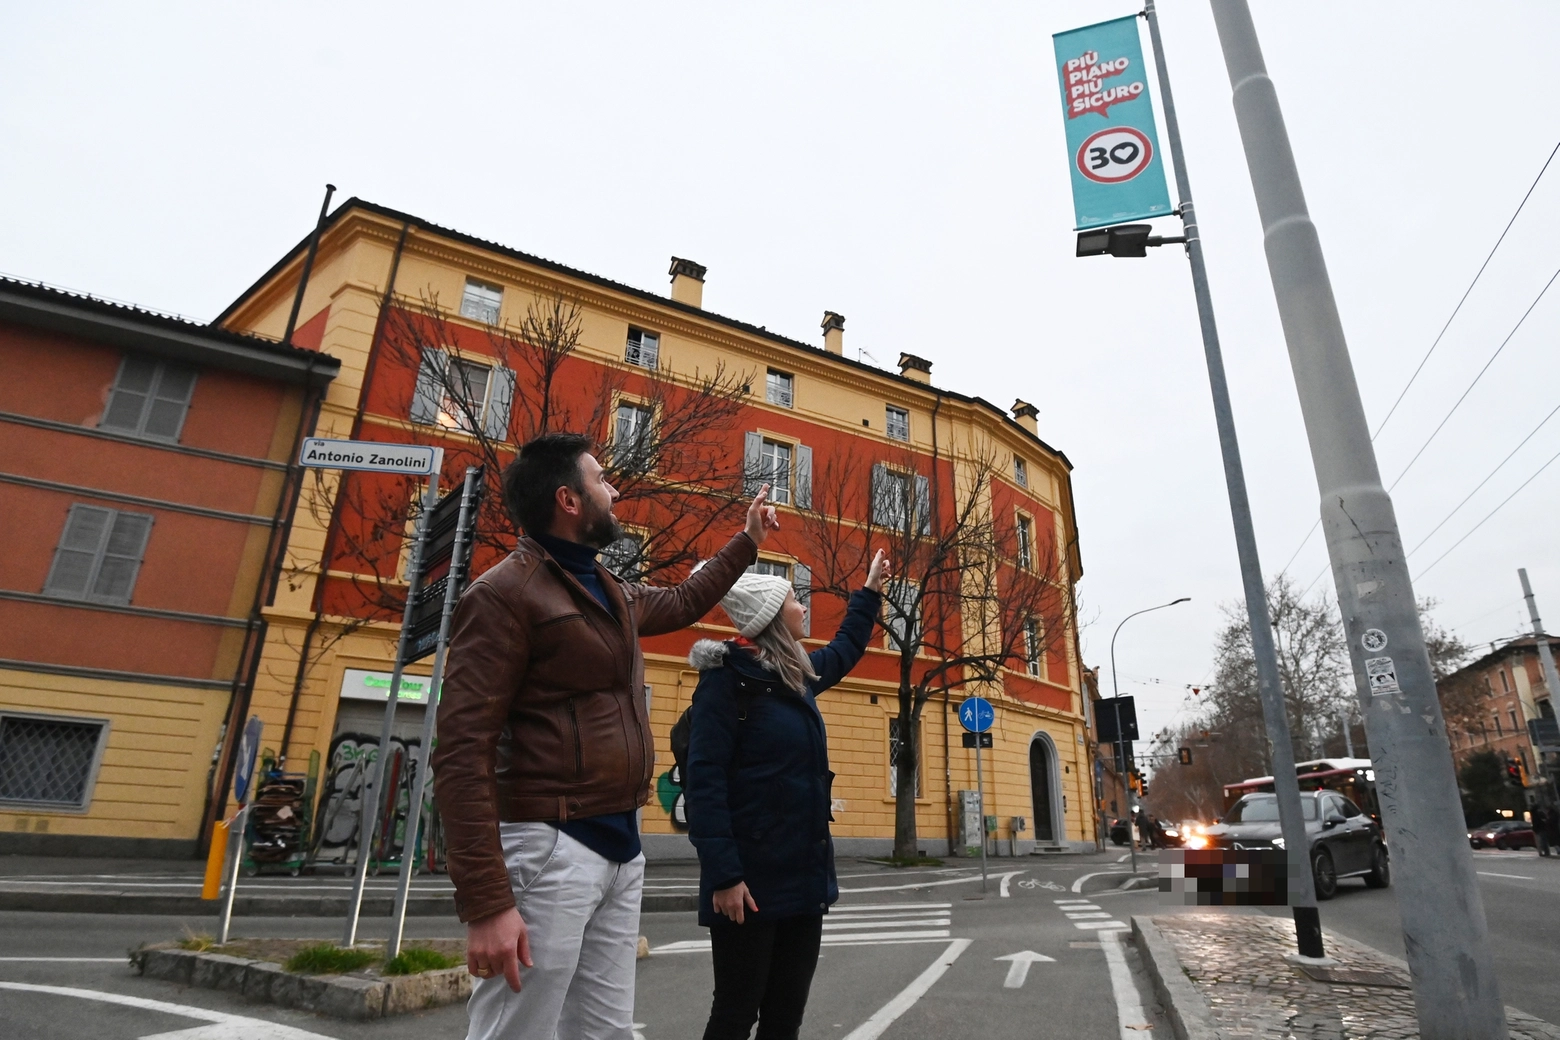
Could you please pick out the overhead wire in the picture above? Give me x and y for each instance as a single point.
(1439, 336)
(1491, 513)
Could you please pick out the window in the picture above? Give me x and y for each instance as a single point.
(150, 398)
(778, 389)
(902, 618)
(625, 557)
(463, 395)
(773, 568)
(644, 348)
(1498, 731)
(897, 422)
(631, 438)
(464, 401)
(98, 556)
(1505, 686)
(893, 761)
(1516, 726)
(1026, 542)
(775, 467)
(1034, 661)
(480, 301)
(897, 497)
(1020, 471)
(49, 762)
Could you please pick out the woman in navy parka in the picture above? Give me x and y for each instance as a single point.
(757, 791)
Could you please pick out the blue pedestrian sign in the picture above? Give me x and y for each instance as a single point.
(248, 752)
(976, 714)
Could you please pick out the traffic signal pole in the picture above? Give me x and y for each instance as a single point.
(1286, 785)
(1444, 930)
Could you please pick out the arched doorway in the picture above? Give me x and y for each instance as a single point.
(1042, 787)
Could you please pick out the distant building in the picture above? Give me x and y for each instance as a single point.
(142, 496)
(1489, 702)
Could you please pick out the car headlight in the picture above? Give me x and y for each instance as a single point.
(1171, 832)
(1197, 841)
(1278, 843)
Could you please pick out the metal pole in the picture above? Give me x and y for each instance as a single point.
(1546, 659)
(308, 266)
(368, 813)
(1348, 733)
(980, 798)
(236, 847)
(1115, 689)
(1444, 929)
(1302, 892)
(403, 886)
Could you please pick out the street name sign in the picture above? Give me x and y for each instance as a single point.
(248, 751)
(976, 714)
(369, 456)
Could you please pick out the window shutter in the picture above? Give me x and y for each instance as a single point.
(171, 402)
(803, 495)
(133, 385)
(801, 581)
(923, 505)
(86, 527)
(500, 399)
(122, 558)
(752, 463)
(882, 509)
(430, 386)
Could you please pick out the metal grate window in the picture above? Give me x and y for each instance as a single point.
(897, 421)
(1020, 471)
(150, 398)
(49, 761)
(99, 555)
(779, 388)
(625, 557)
(643, 349)
(481, 302)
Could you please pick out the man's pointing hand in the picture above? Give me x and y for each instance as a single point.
(761, 518)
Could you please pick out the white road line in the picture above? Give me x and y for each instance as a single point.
(1089, 926)
(872, 908)
(1519, 877)
(1077, 886)
(918, 922)
(1006, 878)
(848, 939)
(224, 1026)
(1124, 857)
(1129, 1008)
(930, 884)
(885, 1016)
(1062, 901)
(857, 915)
(67, 960)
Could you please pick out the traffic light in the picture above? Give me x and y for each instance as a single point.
(1515, 774)
(1185, 755)
(1121, 240)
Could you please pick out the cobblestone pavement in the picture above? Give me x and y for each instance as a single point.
(1236, 961)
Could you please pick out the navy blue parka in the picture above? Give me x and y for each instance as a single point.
(757, 789)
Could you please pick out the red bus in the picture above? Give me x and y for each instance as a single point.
(1354, 778)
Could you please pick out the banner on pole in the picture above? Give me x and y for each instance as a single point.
(1117, 174)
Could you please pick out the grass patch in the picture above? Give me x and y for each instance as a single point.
(416, 960)
(199, 943)
(908, 861)
(325, 959)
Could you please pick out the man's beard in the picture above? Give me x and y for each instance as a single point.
(600, 529)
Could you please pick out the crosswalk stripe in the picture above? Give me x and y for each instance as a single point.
(872, 908)
(919, 922)
(1096, 925)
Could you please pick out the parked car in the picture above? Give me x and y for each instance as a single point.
(1504, 834)
(1344, 840)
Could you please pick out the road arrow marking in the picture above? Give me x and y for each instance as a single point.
(1018, 970)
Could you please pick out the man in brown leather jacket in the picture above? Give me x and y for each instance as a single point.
(544, 751)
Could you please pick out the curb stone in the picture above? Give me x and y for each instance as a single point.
(265, 906)
(1186, 1009)
(340, 996)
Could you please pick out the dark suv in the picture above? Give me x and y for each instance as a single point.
(1344, 841)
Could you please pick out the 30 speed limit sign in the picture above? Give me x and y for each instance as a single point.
(1114, 155)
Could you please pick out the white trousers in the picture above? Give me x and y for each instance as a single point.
(581, 912)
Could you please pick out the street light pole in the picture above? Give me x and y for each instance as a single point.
(1115, 689)
(1286, 785)
(1444, 928)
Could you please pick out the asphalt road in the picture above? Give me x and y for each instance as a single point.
(908, 954)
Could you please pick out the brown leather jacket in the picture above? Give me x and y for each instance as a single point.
(542, 716)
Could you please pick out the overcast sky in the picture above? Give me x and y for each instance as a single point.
(903, 164)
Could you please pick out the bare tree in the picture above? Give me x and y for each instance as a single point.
(663, 437)
(976, 593)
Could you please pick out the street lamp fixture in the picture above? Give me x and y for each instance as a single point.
(1122, 240)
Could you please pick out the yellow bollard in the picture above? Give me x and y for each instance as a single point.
(215, 860)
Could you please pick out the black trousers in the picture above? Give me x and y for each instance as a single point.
(763, 970)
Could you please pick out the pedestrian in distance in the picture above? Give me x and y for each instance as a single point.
(1542, 822)
(758, 790)
(544, 751)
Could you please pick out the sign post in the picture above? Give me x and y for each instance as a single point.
(371, 457)
(459, 555)
(976, 716)
(243, 778)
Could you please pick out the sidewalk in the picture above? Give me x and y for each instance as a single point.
(1223, 975)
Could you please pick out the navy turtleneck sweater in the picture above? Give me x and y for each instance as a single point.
(614, 836)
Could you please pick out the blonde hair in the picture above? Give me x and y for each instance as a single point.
(779, 651)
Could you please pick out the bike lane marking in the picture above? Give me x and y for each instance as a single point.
(886, 1015)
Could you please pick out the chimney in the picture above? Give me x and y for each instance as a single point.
(917, 368)
(1028, 416)
(687, 282)
(834, 332)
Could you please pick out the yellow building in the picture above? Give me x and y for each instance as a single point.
(804, 412)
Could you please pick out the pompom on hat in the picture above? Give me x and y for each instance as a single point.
(754, 601)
